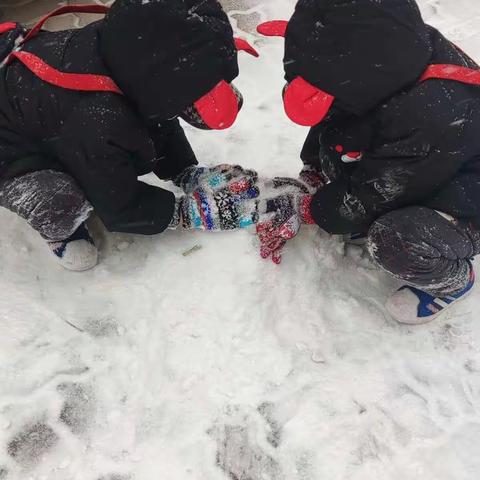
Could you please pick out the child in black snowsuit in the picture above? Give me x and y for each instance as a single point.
(85, 112)
(394, 152)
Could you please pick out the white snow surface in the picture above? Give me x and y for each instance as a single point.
(220, 365)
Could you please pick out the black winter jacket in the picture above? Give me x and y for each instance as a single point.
(420, 141)
(164, 55)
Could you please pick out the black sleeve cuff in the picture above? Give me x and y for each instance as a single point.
(149, 213)
(332, 212)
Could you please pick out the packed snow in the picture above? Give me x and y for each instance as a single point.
(187, 357)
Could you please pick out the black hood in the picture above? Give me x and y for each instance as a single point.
(360, 51)
(167, 54)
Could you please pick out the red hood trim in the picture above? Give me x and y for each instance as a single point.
(305, 104)
(219, 107)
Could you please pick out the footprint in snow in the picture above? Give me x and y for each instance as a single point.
(267, 411)
(31, 443)
(79, 407)
(102, 327)
(238, 453)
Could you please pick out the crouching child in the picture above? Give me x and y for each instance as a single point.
(85, 112)
(393, 154)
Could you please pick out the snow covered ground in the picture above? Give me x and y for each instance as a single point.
(219, 365)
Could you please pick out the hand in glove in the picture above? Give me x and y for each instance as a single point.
(281, 215)
(227, 207)
(212, 178)
(312, 178)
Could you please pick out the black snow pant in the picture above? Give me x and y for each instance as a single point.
(50, 201)
(425, 249)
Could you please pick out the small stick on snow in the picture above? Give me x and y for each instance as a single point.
(194, 249)
(74, 326)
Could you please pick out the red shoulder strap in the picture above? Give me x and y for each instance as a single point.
(100, 9)
(456, 73)
(71, 81)
(86, 82)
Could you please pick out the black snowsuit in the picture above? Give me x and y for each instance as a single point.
(164, 55)
(420, 142)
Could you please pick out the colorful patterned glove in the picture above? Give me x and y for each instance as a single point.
(313, 178)
(212, 178)
(232, 205)
(281, 215)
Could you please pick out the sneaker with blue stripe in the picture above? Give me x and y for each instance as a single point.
(77, 253)
(412, 306)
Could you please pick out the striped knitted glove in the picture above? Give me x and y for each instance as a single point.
(212, 178)
(228, 207)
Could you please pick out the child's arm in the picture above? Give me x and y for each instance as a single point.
(99, 146)
(173, 151)
(395, 175)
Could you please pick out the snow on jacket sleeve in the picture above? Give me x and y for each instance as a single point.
(101, 145)
(173, 151)
(407, 168)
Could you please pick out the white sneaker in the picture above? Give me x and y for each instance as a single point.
(412, 306)
(77, 253)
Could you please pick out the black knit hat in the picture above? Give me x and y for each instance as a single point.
(166, 54)
(359, 51)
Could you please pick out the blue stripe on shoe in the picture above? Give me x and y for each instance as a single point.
(430, 305)
(354, 237)
(60, 250)
(80, 234)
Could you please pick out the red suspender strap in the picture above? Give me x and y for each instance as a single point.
(71, 81)
(452, 72)
(100, 9)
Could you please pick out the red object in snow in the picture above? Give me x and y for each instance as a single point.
(274, 28)
(305, 104)
(219, 107)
